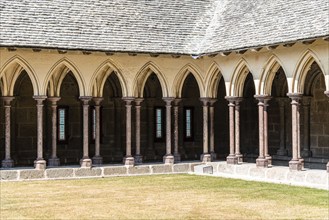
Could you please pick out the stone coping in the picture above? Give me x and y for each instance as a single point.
(276, 174)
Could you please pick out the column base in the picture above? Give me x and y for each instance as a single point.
(295, 165)
(306, 153)
(54, 162)
(269, 160)
(7, 163)
(328, 167)
(231, 159)
(239, 158)
(168, 159)
(213, 156)
(138, 159)
(261, 162)
(40, 164)
(177, 157)
(97, 160)
(301, 161)
(129, 161)
(205, 158)
(282, 152)
(85, 163)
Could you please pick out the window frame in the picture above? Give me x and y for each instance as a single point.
(66, 124)
(188, 138)
(163, 124)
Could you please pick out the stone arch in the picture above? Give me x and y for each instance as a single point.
(143, 75)
(11, 70)
(56, 75)
(104, 70)
(271, 67)
(214, 75)
(302, 68)
(238, 78)
(181, 76)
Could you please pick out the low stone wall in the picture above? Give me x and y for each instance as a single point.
(17, 174)
(276, 174)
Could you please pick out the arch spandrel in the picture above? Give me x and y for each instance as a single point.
(238, 78)
(302, 68)
(142, 76)
(11, 70)
(181, 76)
(58, 72)
(214, 75)
(100, 76)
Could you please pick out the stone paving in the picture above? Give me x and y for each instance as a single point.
(246, 171)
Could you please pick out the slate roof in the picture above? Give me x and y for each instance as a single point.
(160, 26)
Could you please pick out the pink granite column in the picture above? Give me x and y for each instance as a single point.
(282, 151)
(212, 135)
(238, 154)
(177, 157)
(205, 157)
(97, 159)
(231, 158)
(138, 157)
(40, 163)
(85, 161)
(327, 93)
(7, 162)
(128, 159)
(261, 161)
(267, 155)
(54, 160)
(306, 131)
(294, 163)
(168, 158)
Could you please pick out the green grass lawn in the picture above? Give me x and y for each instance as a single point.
(160, 197)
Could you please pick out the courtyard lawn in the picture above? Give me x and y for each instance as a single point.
(160, 197)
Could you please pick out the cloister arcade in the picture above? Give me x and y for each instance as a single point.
(270, 106)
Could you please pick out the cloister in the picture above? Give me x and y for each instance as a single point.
(63, 107)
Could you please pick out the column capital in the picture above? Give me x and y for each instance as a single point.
(262, 98)
(326, 93)
(168, 100)
(205, 100)
(177, 101)
(212, 101)
(295, 96)
(85, 99)
(97, 100)
(54, 99)
(39, 98)
(128, 99)
(138, 101)
(7, 99)
(231, 99)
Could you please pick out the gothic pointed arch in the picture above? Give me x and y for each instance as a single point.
(10, 72)
(302, 68)
(181, 76)
(56, 75)
(214, 75)
(238, 78)
(270, 69)
(143, 75)
(101, 74)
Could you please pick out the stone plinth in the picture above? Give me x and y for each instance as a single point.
(260, 162)
(7, 163)
(295, 165)
(40, 164)
(129, 161)
(168, 159)
(85, 163)
(231, 160)
(205, 158)
(138, 159)
(53, 162)
(97, 160)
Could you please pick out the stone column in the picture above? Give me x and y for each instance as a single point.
(7, 162)
(267, 155)
(306, 131)
(231, 158)
(128, 159)
(40, 163)
(97, 159)
(138, 157)
(294, 163)
(238, 154)
(327, 93)
(168, 158)
(85, 161)
(261, 161)
(177, 157)
(282, 151)
(205, 157)
(54, 160)
(212, 135)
